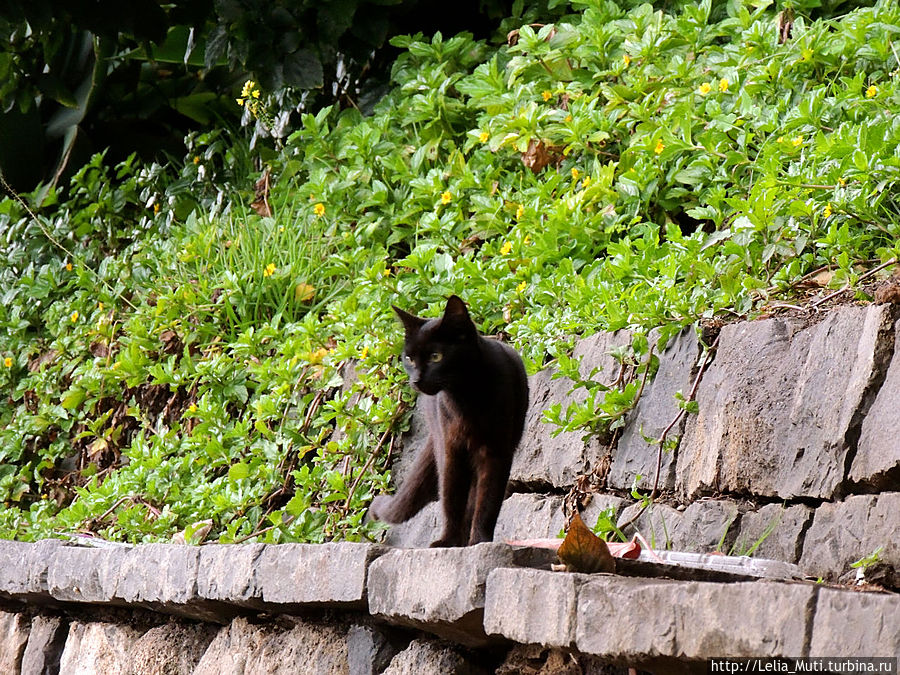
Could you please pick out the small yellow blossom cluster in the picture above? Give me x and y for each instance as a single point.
(872, 91)
(706, 87)
(446, 197)
(826, 212)
(249, 97)
(7, 362)
(269, 270)
(660, 146)
(319, 210)
(797, 141)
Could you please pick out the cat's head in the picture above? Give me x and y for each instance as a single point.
(436, 352)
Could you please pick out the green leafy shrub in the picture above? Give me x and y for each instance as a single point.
(624, 167)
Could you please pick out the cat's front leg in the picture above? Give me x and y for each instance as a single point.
(492, 474)
(455, 481)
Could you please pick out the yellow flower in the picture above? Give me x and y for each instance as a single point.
(506, 248)
(155, 207)
(249, 86)
(527, 239)
(872, 91)
(826, 212)
(723, 85)
(319, 209)
(484, 136)
(842, 182)
(73, 317)
(586, 181)
(317, 356)
(7, 362)
(627, 59)
(364, 353)
(575, 173)
(520, 211)
(446, 197)
(704, 89)
(546, 94)
(521, 287)
(197, 159)
(68, 267)
(568, 118)
(270, 270)
(240, 101)
(100, 306)
(192, 407)
(797, 142)
(660, 146)
(780, 139)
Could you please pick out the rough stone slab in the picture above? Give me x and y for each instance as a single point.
(543, 459)
(780, 529)
(653, 413)
(82, 574)
(843, 532)
(14, 629)
(323, 575)
(227, 573)
(417, 532)
(877, 460)
(46, 642)
(159, 575)
(532, 606)
(848, 623)
(428, 657)
(702, 527)
(23, 568)
(529, 516)
(98, 648)
(370, 649)
(783, 430)
(658, 619)
(171, 649)
(243, 647)
(441, 590)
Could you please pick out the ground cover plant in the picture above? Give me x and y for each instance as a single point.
(181, 353)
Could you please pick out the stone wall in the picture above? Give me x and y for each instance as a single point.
(795, 453)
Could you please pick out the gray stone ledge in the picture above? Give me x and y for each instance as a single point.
(659, 619)
(319, 575)
(532, 606)
(442, 590)
(24, 567)
(849, 623)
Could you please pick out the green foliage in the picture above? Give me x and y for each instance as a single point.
(205, 366)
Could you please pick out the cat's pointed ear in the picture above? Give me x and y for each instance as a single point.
(411, 322)
(457, 316)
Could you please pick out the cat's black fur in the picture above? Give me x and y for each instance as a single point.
(474, 392)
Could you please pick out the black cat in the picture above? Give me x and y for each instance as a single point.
(474, 392)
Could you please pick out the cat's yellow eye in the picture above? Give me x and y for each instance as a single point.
(435, 357)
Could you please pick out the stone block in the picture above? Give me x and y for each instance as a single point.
(303, 647)
(370, 649)
(774, 532)
(782, 430)
(653, 413)
(173, 648)
(656, 619)
(23, 569)
(441, 590)
(532, 606)
(529, 516)
(227, 573)
(848, 623)
(843, 532)
(85, 574)
(14, 629)
(98, 648)
(322, 575)
(419, 531)
(877, 460)
(658, 524)
(159, 575)
(45, 645)
(545, 459)
(429, 657)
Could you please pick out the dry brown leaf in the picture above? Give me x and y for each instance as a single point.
(584, 551)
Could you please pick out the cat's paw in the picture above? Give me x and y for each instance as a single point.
(380, 508)
(443, 542)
